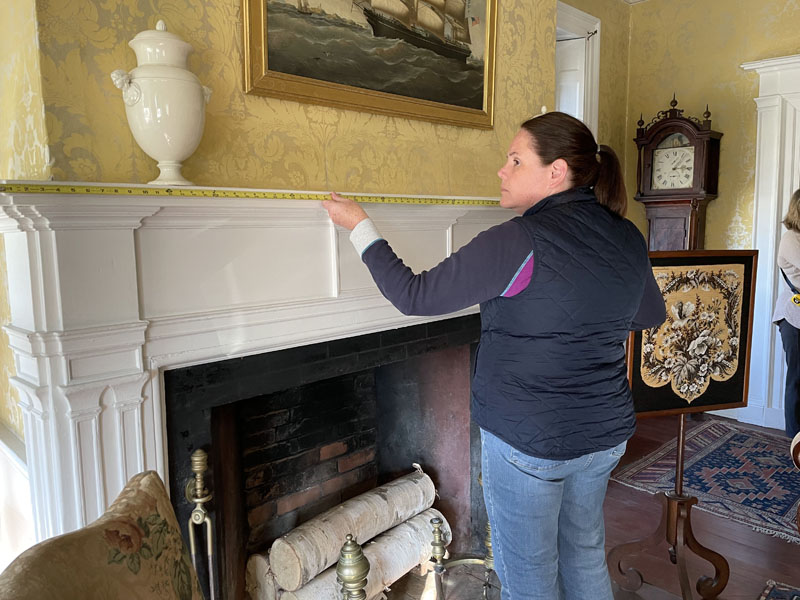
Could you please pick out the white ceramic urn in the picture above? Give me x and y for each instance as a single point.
(164, 101)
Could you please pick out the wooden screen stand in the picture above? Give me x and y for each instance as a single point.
(676, 528)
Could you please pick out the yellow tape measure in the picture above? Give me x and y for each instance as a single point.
(796, 299)
(179, 192)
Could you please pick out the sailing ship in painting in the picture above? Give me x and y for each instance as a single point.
(437, 25)
(426, 54)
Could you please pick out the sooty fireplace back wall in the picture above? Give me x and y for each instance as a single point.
(294, 432)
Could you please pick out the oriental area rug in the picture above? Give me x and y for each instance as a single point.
(779, 591)
(735, 472)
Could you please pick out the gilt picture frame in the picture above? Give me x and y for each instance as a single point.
(699, 358)
(421, 59)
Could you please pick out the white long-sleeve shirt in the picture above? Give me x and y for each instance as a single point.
(789, 261)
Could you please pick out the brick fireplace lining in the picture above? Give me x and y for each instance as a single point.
(204, 404)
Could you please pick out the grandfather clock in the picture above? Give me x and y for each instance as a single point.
(677, 176)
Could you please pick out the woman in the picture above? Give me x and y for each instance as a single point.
(559, 287)
(787, 313)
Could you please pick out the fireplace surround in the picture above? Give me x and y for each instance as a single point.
(293, 433)
(111, 287)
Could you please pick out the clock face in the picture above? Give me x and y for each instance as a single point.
(673, 168)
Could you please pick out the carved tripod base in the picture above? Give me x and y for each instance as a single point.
(676, 528)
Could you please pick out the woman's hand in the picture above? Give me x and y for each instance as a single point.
(343, 211)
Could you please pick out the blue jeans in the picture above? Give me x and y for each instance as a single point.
(790, 337)
(548, 533)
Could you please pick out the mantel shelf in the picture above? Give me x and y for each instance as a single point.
(182, 195)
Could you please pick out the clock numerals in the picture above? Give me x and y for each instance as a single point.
(672, 168)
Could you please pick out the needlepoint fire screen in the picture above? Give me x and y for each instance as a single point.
(699, 358)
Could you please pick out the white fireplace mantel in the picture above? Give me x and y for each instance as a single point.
(110, 288)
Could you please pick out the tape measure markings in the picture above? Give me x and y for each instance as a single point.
(233, 193)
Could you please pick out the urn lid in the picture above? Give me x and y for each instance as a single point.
(160, 47)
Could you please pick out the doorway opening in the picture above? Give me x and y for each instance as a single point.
(578, 64)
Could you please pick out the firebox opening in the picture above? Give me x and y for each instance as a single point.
(293, 433)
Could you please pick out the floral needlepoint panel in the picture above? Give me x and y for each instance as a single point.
(698, 359)
(699, 341)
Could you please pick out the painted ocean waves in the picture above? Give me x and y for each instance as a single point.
(326, 47)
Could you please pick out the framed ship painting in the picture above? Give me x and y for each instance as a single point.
(699, 358)
(421, 59)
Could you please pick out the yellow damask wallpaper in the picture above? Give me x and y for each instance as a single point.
(263, 142)
(23, 139)
(694, 49)
(23, 150)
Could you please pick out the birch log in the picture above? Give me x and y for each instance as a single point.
(309, 549)
(259, 580)
(391, 555)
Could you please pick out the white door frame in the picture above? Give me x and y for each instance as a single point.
(776, 176)
(581, 24)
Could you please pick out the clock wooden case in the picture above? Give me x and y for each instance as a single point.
(677, 175)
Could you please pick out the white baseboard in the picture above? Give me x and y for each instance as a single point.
(755, 415)
(775, 418)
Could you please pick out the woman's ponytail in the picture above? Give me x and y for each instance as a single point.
(610, 187)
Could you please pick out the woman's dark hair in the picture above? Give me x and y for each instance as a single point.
(558, 135)
(792, 218)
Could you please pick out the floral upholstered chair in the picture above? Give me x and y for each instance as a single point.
(134, 552)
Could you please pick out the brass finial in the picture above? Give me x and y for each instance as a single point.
(673, 103)
(199, 468)
(199, 461)
(707, 114)
(640, 122)
(196, 491)
(352, 570)
(437, 553)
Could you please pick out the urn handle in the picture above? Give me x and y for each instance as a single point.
(131, 92)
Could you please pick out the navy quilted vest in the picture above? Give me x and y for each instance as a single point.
(550, 376)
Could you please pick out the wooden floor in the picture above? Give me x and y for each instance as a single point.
(753, 557)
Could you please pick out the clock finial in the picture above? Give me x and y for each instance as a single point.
(640, 122)
(707, 114)
(673, 103)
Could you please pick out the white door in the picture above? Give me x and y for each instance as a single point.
(570, 75)
(578, 64)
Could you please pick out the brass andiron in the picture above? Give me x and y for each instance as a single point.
(197, 493)
(676, 527)
(352, 570)
(440, 566)
(437, 554)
